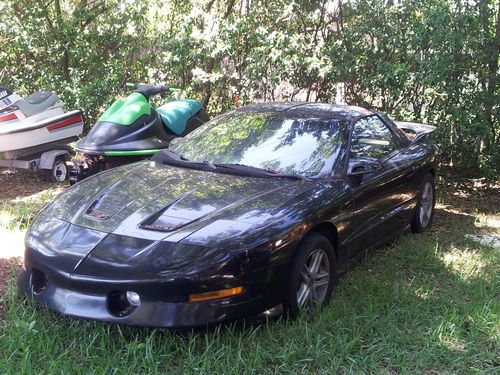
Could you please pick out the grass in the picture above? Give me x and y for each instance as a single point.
(426, 304)
(16, 215)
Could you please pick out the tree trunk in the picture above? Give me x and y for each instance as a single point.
(65, 53)
(494, 48)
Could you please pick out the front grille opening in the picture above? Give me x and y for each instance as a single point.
(39, 281)
(121, 304)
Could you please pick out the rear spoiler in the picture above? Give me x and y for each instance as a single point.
(415, 130)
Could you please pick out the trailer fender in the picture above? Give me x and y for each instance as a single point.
(49, 157)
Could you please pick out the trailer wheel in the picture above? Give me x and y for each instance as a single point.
(59, 171)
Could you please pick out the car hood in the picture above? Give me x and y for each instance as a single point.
(154, 201)
(123, 214)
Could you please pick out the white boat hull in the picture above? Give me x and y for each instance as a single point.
(16, 135)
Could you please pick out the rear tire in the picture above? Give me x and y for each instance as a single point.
(424, 211)
(311, 280)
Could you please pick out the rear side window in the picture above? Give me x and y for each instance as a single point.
(398, 133)
(371, 138)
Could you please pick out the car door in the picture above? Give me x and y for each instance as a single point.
(382, 197)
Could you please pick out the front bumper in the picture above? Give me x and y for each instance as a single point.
(149, 313)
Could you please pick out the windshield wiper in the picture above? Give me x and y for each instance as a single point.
(261, 171)
(172, 158)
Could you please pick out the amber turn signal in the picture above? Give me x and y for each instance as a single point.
(216, 294)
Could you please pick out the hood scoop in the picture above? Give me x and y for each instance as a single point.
(108, 204)
(96, 214)
(163, 223)
(176, 214)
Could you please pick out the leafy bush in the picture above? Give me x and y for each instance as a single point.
(433, 61)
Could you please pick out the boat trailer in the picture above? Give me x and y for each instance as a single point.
(50, 162)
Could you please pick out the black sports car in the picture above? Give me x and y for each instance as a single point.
(259, 207)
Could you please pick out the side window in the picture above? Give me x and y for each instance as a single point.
(371, 138)
(398, 133)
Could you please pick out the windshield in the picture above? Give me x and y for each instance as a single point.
(310, 147)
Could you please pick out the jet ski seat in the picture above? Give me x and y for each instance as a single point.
(37, 102)
(177, 113)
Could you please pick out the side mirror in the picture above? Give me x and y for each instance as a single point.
(362, 166)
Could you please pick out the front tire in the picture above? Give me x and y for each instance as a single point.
(312, 277)
(424, 212)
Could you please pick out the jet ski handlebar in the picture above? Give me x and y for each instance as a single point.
(149, 90)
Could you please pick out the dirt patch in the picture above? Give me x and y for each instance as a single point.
(19, 184)
(470, 195)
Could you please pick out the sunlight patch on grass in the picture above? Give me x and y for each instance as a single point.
(12, 244)
(465, 262)
(423, 293)
(491, 222)
(446, 333)
(42, 196)
(453, 210)
(5, 218)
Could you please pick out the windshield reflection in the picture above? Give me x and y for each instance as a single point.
(310, 147)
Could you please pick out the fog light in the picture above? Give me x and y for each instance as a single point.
(133, 298)
(39, 281)
(216, 294)
(121, 303)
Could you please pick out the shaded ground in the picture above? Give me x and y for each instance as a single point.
(472, 195)
(20, 184)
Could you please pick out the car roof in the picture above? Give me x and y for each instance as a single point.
(308, 109)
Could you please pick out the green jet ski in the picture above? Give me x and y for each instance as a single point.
(131, 130)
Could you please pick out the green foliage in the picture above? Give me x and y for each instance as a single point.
(84, 51)
(433, 61)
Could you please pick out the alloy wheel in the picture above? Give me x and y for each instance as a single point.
(426, 205)
(314, 280)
